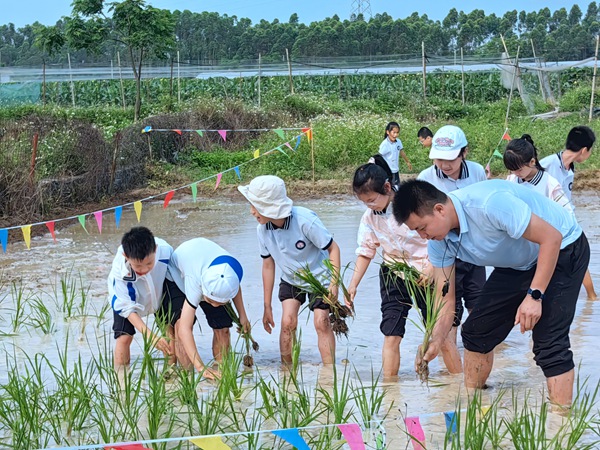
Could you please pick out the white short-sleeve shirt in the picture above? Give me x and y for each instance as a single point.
(391, 153)
(189, 261)
(302, 241)
(564, 175)
(492, 216)
(470, 172)
(545, 184)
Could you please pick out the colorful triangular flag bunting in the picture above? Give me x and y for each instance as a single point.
(210, 443)
(168, 198)
(98, 217)
(219, 176)
(287, 144)
(236, 169)
(26, 230)
(505, 136)
(4, 239)
(118, 212)
(194, 191)
(450, 418)
(138, 209)
(282, 151)
(81, 219)
(416, 433)
(308, 132)
(353, 435)
(223, 134)
(126, 447)
(256, 153)
(298, 139)
(292, 436)
(200, 133)
(177, 131)
(279, 133)
(497, 154)
(147, 129)
(50, 226)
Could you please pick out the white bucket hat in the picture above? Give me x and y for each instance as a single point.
(268, 195)
(447, 143)
(221, 280)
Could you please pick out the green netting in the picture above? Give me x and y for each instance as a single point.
(19, 93)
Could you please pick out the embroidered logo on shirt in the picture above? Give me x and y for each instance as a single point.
(300, 245)
(444, 142)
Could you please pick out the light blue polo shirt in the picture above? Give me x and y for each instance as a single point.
(470, 173)
(302, 240)
(493, 215)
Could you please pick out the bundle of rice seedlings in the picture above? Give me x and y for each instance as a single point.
(337, 312)
(247, 336)
(416, 287)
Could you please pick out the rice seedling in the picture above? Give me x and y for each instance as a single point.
(426, 292)
(231, 384)
(338, 402)
(369, 399)
(337, 312)
(246, 335)
(18, 302)
(40, 316)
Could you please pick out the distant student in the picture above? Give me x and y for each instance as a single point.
(451, 171)
(561, 166)
(379, 230)
(539, 254)
(135, 286)
(391, 148)
(293, 238)
(206, 276)
(425, 137)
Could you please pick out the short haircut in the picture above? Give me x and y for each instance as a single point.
(418, 197)
(580, 137)
(424, 133)
(138, 243)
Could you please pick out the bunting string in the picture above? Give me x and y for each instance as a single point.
(137, 205)
(496, 153)
(149, 129)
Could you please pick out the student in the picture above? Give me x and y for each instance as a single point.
(293, 238)
(135, 286)
(206, 275)
(539, 254)
(425, 137)
(561, 166)
(451, 171)
(379, 229)
(391, 148)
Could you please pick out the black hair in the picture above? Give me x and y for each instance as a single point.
(424, 133)
(519, 152)
(138, 243)
(371, 177)
(418, 197)
(389, 127)
(580, 137)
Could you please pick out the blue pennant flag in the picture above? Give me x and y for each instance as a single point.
(298, 139)
(118, 212)
(292, 436)
(450, 421)
(236, 169)
(147, 129)
(4, 239)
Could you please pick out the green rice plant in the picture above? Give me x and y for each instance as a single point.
(338, 402)
(247, 336)
(231, 384)
(40, 316)
(159, 406)
(19, 299)
(528, 428)
(416, 288)
(65, 294)
(337, 312)
(369, 399)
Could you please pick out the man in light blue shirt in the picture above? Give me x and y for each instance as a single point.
(539, 254)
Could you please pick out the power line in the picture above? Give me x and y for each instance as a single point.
(361, 7)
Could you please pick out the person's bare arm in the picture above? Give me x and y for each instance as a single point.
(186, 335)
(268, 276)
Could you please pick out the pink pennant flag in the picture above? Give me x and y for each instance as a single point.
(178, 132)
(416, 433)
(353, 435)
(488, 171)
(219, 176)
(98, 217)
(168, 198)
(50, 226)
(287, 144)
(223, 134)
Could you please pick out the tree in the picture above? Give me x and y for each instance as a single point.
(141, 30)
(49, 40)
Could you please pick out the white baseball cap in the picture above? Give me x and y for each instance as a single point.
(221, 280)
(268, 195)
(447, 143)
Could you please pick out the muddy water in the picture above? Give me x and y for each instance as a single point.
(230, 224)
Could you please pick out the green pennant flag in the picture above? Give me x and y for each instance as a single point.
(280, 133)
(280, 148)
(194, 191)
(497, 154)
(200, 132)
(81, 219)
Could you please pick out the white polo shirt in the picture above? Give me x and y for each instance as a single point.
(302, 240)
(564, 175)
(188, 262)
(470, 172)
(492, 216)
(391, 153)
(129, 292)
(545, 184)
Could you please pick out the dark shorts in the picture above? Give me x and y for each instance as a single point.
(469, 284)
(396, 179)
(216, 316)
(287, 291)
(494, 314)
(169, 311)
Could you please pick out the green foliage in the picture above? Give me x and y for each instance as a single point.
(577, 99)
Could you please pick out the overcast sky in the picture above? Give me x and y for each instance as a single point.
(47, 12)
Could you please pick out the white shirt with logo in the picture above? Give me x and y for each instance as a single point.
(391, 153)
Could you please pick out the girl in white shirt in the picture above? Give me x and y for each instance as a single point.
(391, 148)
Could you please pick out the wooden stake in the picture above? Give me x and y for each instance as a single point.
(71, 77)
(462, 74)
(312, 151)
(424, 70)
(34, 147)
(149, 146)
(287, 54)
(512, 87)
(540, 76)
(594, 80)
(121, 81)
(259, 76)
(178, 79)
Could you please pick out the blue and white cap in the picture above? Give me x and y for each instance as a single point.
(221, 280)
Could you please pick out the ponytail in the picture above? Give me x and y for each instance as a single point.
(371, 177)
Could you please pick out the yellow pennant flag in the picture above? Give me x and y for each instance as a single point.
(256, 153)
(26, 229)
(210, 443)
(484, 410)
(138, 209)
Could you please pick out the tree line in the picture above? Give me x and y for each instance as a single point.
(209, 38)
